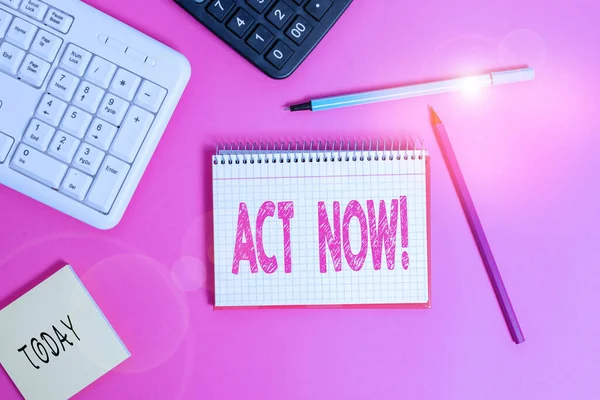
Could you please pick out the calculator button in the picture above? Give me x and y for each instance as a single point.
(58, 20)
(34, 8)
(299, 29)
(318, 8)
(63, 147)
(258, 5)
(220, 8)
(88, 97)
(45, 45)
(10, 58)
(34, 70)
(279, 54)
(63, 85)
(240, 22)
(38, 135)
(260, 39)
(76, 184)
(51, 110)
(280, 14)
(125, 84)
(298, 1)
(100, 72)
(76, 122)
(75, 60)
(21, 33)
(150, 96)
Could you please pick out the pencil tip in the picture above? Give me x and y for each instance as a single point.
(433, 116)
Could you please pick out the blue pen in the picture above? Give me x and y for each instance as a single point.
(422, 89)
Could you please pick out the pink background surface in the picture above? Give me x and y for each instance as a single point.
(529, 153)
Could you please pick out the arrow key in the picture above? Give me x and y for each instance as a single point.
(101, 134)
(63, 147)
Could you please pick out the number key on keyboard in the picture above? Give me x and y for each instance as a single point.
(88, 159)
(51, 110)
(34, 70)
(63, 147)
(76, 122)
(38, 166)
(100, 72)
(10, 58)
(125, 84)
(113, 109)
(107, 184)
(75, 59)
(132, 134)
(76, 184)
(63, 85)
(38, 135)
(88, 97)
(101, 134)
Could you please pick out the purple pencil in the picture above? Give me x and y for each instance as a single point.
(476, 228)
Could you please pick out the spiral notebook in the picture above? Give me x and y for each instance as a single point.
(310, 225)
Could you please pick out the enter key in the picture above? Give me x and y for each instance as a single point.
(132, 134)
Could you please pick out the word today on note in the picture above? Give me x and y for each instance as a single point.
(343, 232)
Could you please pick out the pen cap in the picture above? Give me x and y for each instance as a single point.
(512, 76)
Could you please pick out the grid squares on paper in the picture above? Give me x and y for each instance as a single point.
(306, 184)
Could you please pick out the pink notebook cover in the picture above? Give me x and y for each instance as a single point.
(322, 229)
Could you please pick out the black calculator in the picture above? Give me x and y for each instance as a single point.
(274, 35)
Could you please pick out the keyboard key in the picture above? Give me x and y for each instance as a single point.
(220, 8)
(34, 9)
(280, 14)
(51, 110)
(10, 58)
(88, 97)
(240, 22)
(63, 85)
(279, 54)
(150, 96)
(46, 45)
(75, 59)
(113, 109)
(58, 20)
(260, 39)
(318, 8)
(88, 159)
(76, 184)
(5, 19)
(258, 5)
(100, 72)
(101, 134)
(132, 134)
(63, 147)
(76, 122)
(6, 143)
(38, 166)
(38, 135)
(34, 70)
(298, 1)
(125, 84)
(299, 29)
(107, 184)
(21, 33)
(11, 3)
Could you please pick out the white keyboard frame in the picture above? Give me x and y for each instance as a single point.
(170, 69)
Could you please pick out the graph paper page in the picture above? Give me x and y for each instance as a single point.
(323, 262)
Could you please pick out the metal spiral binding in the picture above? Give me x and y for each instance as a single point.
(307, 151)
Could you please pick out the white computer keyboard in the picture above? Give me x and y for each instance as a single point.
(84, 100)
